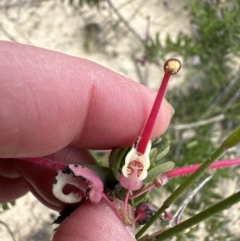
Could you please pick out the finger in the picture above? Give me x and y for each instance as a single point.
(8, 168)
(48, 100)
(93, 222)
(72, 155)
(11, 188)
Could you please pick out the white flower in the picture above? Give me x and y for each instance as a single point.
(140, 161)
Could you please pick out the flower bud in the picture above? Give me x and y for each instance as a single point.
(144, 212)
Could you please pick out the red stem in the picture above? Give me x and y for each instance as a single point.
(126, 199)
(151, 186)
(136, 218)
(147, 130)
(168, 216)
(111, 205)
(190, 169)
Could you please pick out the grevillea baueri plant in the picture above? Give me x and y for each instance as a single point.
(133, 172)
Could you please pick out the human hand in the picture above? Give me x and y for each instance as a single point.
(59, 106)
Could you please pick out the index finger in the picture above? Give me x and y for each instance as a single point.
(49, 100)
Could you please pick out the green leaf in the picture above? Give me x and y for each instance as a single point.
(158, 170)
(104, 174)
(5, 206)
(160, 148)
(116, 160)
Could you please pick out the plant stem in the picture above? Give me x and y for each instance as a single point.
(110, 203)
(190, 169)
(8, 229)
(219, 207)
(198, 123)
(126, 23)
(126, 199)
(230, 141)
(146, 189)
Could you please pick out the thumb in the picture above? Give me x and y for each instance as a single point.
(93, 222)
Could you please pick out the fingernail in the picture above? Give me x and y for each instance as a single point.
(172, 110)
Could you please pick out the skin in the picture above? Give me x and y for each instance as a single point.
(59, 106)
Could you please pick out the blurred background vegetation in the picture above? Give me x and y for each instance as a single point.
(135, 38)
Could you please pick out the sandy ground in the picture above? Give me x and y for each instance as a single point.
(28, 220)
